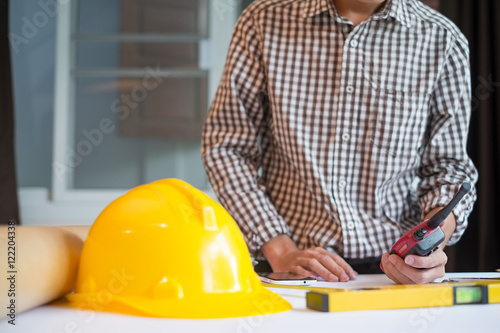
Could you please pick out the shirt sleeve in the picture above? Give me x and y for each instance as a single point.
(445, 163)
(230, 147)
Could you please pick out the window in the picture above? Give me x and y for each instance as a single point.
(133, 81)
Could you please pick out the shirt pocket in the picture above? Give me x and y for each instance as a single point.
(398, 121)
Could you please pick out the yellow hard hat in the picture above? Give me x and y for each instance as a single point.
(165, 249)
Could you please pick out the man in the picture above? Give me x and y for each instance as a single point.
(327, 112)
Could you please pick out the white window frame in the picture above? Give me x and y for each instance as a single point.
(63, 204)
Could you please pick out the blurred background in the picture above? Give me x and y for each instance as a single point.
(111, 94)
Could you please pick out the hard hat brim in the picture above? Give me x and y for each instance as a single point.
(258, 302)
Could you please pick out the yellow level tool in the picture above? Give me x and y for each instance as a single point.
(472, 291)
(404, 296)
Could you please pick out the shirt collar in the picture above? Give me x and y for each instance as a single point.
(396, 9)
(316, 7)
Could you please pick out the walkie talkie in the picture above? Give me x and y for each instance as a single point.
(426, 236)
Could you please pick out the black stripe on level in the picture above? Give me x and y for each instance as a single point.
(317, 301)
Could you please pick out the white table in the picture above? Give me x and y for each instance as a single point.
(462, 318)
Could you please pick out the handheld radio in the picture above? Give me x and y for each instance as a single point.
(426, 236)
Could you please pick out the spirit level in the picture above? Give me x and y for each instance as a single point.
(404, 296)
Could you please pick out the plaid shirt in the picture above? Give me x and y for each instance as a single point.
(340, 136)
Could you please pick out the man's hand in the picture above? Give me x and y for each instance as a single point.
(416, 269)
(317, 262)
(284, 256)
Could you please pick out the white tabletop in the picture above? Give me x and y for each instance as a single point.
(462, 318)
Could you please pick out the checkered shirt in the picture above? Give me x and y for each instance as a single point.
(337, 135)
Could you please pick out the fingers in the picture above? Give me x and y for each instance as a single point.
(328, 260)
(302, 271)
(347, 268)
(437, 258)
(320, 262)
(388, 271)
(415, 269)
(393, 268)
(342, 264)
(319, 268)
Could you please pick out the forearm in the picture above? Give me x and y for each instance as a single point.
(46, 262)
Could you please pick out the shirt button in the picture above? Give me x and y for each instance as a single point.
(346, 137)
(342, 183)
(354, 43)
(349, 89)
(350, 225)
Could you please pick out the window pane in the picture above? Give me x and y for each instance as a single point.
(92, 54)
(139, 96)
(142, 16)
(107, 155)
(33, 84)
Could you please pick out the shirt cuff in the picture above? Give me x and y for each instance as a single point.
(264, 232)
